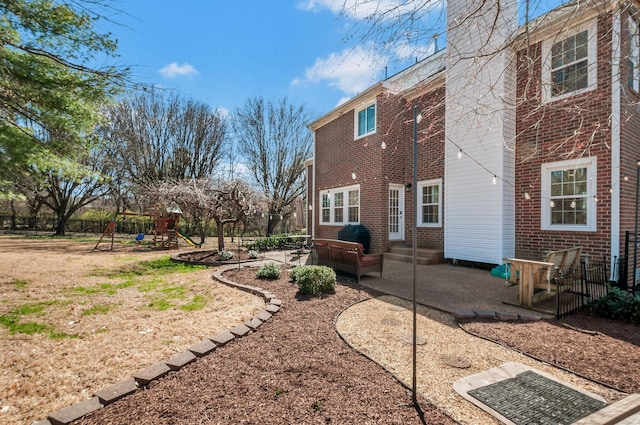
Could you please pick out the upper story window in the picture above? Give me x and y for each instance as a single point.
(340, 205)
(634, 54)
(365, 120)
(430, 203)
(569, 64)
(568, 195)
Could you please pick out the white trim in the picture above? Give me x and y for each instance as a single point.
(356, 112)
(615, 137)
(592, 63)
(545, 200)
(634, 47)
(345, 205)
(421, 185)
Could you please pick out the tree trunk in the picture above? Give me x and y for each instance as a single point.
(13, 226)
(61, 226)
(220, 226)
(274, 219)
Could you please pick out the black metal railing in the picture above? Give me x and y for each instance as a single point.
(576, 288)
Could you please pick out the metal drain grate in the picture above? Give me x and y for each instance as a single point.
(532, 399)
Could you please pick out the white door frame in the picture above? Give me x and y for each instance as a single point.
(399, 234)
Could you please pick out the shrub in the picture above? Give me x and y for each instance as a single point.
(314, 280)
(618, 304)
(269, 271)
(225, 255)
(253, 254)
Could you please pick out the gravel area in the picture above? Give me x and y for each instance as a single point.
(294, 369)
(381, 328)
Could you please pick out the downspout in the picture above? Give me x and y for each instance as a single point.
(615, 139)
(311, 220)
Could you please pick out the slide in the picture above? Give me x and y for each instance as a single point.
(188, 239)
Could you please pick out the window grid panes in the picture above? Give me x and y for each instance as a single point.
(338, 207)
(569, 64)
(394, 211)
(430, 204)
(354, 206)
(569, 195)
(326, 208)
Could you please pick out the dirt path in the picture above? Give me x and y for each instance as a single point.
(91, 329)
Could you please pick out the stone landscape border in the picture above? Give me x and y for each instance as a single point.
(152, 373)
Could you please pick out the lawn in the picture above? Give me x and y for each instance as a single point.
(74, 320)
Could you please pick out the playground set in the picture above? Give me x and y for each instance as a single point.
(165, 231)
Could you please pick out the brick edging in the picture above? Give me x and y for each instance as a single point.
(497, 315)
(143, 378)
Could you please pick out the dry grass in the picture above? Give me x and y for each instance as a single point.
(72, 323)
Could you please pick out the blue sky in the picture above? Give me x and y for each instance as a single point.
(222, 52)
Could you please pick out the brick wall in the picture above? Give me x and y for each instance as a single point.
(573, 127)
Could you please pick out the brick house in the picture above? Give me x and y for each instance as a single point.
(527, 139)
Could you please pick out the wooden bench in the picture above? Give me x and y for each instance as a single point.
(347, 257)
(538, 274)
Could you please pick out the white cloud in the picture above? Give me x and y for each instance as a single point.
(175, 70)
(224, 112)
(342, 100)
(351, 71)
(356, 9)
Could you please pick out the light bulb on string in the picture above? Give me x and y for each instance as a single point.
(626, 178)
(494, 180)
(383, 145)
(573, 204)
(595, 199)
(527, 195)
(459, 155)
(552, 204)
(611, 189)
(353, 175)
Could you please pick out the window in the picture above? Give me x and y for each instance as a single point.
(430, 203)
(338, 207)
(569, 65)
(365, 121)
(341, 205)
(568, 195)
(354, 206)
(326, 208)
(634, 55)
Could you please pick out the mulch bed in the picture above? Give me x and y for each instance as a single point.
(294, 369)
(604, 350)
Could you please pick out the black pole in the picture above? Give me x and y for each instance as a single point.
(415, 247)
(635, 231)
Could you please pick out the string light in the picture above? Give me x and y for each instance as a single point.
(459, 155)
(353, 175)
(611, 189)
(383, 145)
(573, 204)
(494, 180)
(626, 178)
(595, 199)
(552, 204)
(527, 195)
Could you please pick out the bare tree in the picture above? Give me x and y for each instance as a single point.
(205, 200)
(274, 142)
(69, 190)
(164, 136)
